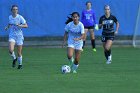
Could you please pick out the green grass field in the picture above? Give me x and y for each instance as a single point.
(41, 72)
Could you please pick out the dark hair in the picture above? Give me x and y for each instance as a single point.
(13, 6)
(75, 13)
(70, 18)
(88, 2)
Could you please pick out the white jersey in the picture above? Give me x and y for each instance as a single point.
(16, 31)
(74, 31)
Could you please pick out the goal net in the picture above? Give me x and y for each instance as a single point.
(136, 36)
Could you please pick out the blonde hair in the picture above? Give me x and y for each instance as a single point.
(106, 6)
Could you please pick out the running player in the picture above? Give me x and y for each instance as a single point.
(107, 22)
(16, 23)
(75, 32)
(89, 21)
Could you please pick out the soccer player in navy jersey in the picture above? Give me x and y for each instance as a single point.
(107, 22)
(89, 20)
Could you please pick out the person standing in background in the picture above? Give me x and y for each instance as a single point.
(16, 23)
(89, 20)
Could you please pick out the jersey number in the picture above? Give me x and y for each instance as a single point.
(107, 26)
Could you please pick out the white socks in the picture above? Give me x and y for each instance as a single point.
(13, 55)
(110, 58)
(20, 60)
(74, 67)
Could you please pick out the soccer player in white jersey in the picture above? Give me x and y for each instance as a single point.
(16, 23)
(74, 30)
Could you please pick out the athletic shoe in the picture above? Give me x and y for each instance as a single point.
(94, 49)
(74, 71)
(14, 62)
(108, 62)
(19, 67)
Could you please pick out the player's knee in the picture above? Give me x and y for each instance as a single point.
(92, 36)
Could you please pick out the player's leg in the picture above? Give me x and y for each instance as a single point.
(76, 61)
(85, 36)
(105, 52)
(78, 49)
(70, 51)
(11, 51)
(107, 48)
(19, 50)
(104, 41)
(92, 37)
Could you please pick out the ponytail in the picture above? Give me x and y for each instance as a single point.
(68, 20)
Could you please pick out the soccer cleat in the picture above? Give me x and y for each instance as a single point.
(14, 62)
(82, 50)
(94, 49)
(74, 71)
(19, 67)
(108, 62)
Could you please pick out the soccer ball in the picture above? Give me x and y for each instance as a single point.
(65, 69)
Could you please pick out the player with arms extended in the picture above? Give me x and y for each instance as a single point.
(16, 23)
(74, 30)
(107, 22)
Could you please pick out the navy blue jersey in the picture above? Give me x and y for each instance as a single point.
(108, 23)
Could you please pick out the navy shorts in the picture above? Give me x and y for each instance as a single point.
(107, 36)
(89, 27)
(104, 39)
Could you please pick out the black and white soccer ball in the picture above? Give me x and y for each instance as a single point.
(65, 69)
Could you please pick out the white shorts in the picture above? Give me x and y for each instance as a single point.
(76, 46)
(17, 41)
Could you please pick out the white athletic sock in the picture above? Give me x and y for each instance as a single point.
(13, 55)
(74, 67)
(20, 60)
(110, 58)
